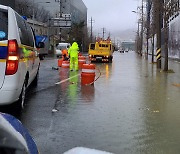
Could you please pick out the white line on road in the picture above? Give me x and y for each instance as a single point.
(67, 79)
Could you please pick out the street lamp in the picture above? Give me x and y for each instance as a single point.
(33, 9)
(142, 22)
(139, 33)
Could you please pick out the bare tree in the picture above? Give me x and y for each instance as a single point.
(25, 7)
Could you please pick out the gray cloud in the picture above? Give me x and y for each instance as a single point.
(114, 15)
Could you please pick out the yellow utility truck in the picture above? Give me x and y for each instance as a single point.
(101, 50)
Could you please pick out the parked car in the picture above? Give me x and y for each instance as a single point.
(60, 47)
(19, 59)
(14, 137)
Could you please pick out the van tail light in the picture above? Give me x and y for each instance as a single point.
(13, 58)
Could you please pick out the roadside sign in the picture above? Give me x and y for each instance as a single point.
(63, 22)
(66, 16)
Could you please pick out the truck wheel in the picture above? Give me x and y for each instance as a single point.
(110, 59)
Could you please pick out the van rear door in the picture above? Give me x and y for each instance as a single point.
(3, 43)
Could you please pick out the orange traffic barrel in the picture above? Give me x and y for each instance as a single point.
(60, 62)
(87, 74)
(79, 54)
(81, 61)
(65, 64)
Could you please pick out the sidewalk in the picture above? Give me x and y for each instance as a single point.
(173, 67)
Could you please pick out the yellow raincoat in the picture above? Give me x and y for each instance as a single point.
(73, 54)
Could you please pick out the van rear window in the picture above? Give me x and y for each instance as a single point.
(3, 24)
(61, 47)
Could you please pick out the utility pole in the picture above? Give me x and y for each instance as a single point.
(137, 38)
(142, 26)
(103, 32)
(91, 21)
(152, 41)
(165, 13)
(152, 32)
(149, 4)
(157, 5)
(60, 16)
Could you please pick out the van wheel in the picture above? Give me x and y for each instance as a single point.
(35, 82)
(41, 57)
(20, 102)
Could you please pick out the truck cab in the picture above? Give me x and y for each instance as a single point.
(101, 51)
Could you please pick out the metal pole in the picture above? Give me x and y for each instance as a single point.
(148, 25)
(158, 27)
(165, 11)
(103, 32)
(138, 47)
(152, 60)
(91, 29)
(60, 17)
(142, 24)
(48, 32)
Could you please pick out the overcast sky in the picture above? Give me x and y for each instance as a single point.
(115, 16)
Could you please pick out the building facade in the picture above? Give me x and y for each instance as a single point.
(172, 7)
(76, 8)
(128, 45)
(172, 13)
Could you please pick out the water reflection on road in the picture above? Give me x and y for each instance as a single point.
(131, 108)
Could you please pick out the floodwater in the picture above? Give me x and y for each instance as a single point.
(131, 108)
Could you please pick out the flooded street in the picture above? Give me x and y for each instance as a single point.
(49, 48)
(131, 108)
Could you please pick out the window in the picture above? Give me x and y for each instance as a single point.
(30, 36)
(22, 30)
(92, 46)
(3, 24)
(103, 45)
(25, 32)
(61, 47)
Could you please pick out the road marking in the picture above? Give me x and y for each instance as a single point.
(67, 79)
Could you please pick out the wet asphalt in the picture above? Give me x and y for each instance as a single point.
(132, 108)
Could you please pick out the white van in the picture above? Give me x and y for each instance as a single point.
(19, 60)
(60, 47)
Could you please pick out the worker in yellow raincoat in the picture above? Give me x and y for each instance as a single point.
(73, 54)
